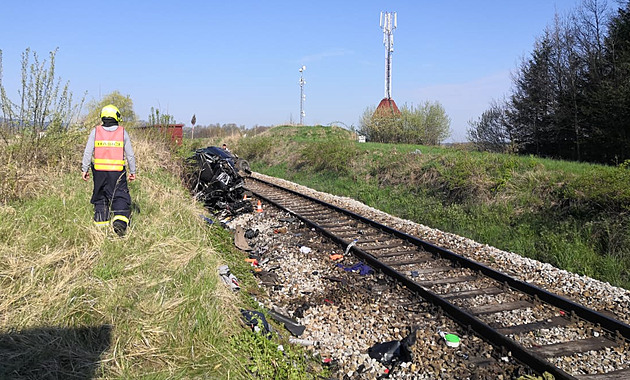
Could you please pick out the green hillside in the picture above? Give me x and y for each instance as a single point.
(572, 215)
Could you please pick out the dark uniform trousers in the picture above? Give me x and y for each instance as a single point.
(111, 195)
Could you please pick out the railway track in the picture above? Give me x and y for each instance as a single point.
(450, 281)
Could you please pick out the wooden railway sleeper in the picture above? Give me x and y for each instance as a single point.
(358, 234)
(409, 262)
(501, 307)
(309, 211)
(321, 219)
(341, 230)
(473, 293)
(331, 219)
(392, 244)
(339, 223)
(292, 205)
(304, 213)
(532, 326)
(402, 253)
(574, 347)
(364, 241)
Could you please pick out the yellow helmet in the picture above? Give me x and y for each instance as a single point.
(111, 111)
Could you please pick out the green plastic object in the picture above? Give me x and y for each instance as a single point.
(451, 340)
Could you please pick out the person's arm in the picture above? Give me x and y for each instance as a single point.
(87, 156)
(130, 156)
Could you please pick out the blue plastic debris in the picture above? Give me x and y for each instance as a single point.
(362, 268)
(208, 220)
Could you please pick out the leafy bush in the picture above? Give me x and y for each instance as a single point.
(36, 130)
(425, 124)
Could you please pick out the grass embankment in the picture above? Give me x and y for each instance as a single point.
(572, 215)
(77, 301)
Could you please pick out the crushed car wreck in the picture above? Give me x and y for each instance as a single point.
(215, 177)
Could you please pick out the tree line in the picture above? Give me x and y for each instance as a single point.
(215, 131)
(571, 97)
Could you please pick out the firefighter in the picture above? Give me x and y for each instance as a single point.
(110, 144)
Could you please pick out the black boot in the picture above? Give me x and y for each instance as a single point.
(120, 227)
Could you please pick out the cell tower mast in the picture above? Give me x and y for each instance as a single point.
(388, 23)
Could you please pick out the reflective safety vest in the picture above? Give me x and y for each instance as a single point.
(109, 149)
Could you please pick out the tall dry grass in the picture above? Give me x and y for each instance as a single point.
(76, 301)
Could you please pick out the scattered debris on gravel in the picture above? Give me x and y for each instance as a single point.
(363, 325)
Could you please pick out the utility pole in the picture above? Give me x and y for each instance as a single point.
(193, 121)
(302, 95)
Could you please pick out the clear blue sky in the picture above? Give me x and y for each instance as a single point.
(238, 61)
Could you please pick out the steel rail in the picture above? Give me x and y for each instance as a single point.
(467, 320)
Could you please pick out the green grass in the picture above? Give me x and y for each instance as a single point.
(151, 302)
(572, 215)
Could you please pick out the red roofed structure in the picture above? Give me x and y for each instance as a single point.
(387, 107)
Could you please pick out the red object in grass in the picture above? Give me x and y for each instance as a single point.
(254, 262)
